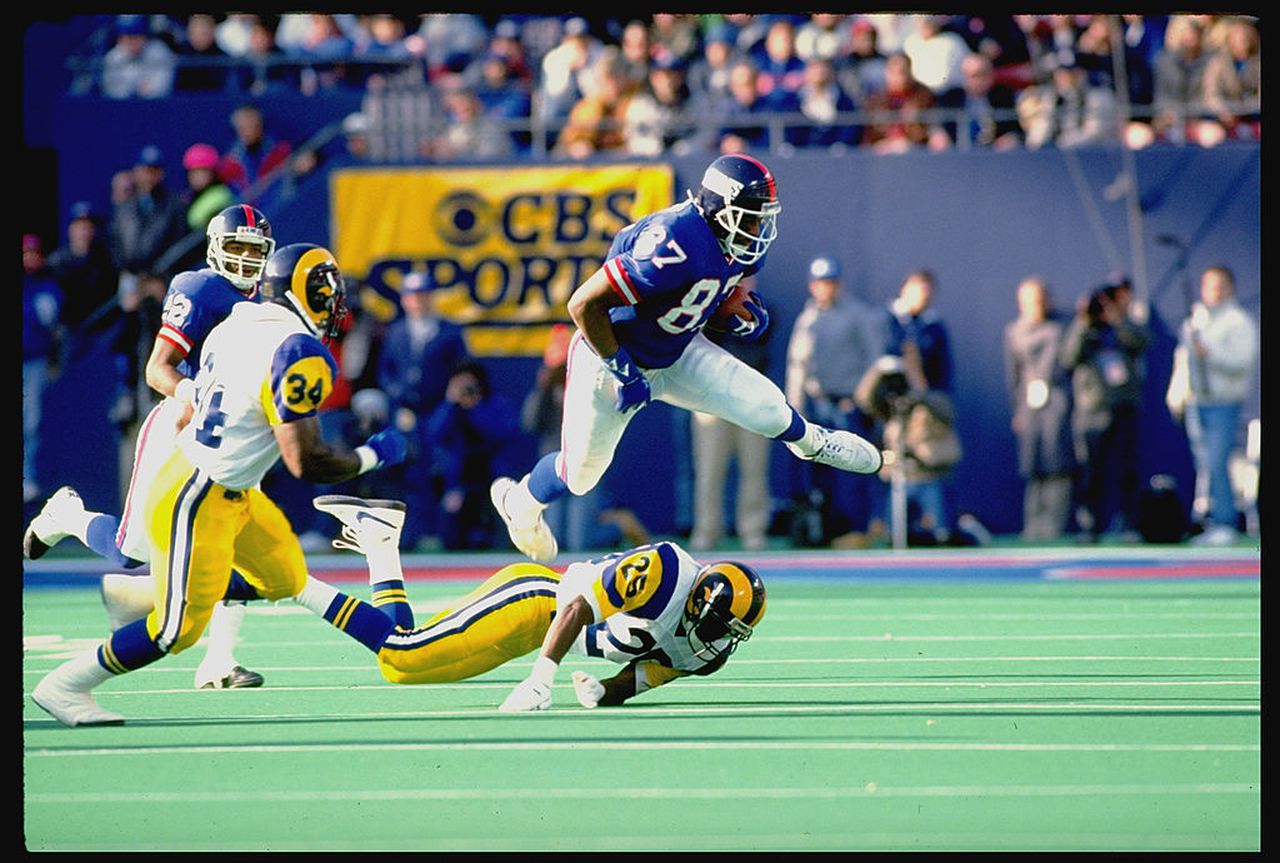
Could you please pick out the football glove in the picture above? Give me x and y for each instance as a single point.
(750, 330)
(389, 447)
(633, 387)
(528, 695)
(588, 689)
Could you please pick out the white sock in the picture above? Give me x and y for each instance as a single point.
(84, 672)
(384, 565)
(522, 502)
(224, 631)
(316, 596)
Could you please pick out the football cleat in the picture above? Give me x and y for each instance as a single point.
(237, 677)
(367, 525)
(49, 527)
(127, 597)
(844, 450)
(529, 695)
(64, 693)
(529, 531)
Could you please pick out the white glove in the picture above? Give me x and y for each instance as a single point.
(529, 694)
(588, 689)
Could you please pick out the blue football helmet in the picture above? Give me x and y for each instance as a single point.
(239, 223)
(726, 602)
(739, 199)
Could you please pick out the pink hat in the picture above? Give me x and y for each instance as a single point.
(200, 156)
(30, 241)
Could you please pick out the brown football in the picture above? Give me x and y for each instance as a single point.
(731, 305)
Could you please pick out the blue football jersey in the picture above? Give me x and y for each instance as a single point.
(672, 273)
(196, 302)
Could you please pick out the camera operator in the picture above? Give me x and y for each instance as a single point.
(1104, 349)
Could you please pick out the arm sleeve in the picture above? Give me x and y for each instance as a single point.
(301, 378)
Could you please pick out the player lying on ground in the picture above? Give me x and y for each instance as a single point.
(653, 609)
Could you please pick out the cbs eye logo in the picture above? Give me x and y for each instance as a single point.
(463, 219)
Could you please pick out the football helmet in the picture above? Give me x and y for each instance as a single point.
(739, 199)
(725, 604)
(239, 223)
(305, 277)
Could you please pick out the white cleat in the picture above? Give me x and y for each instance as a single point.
(67, 700)
(367, 525)
(844, 450)
(532, 536)
(127, 597)
(48, 528)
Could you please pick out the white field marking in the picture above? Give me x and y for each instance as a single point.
(871, 789)
(694, 711)
(1117, 636)
(1190, 614)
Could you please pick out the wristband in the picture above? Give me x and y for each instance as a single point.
(368, 459)
(620, 365)
(544, 670)
(185, 391)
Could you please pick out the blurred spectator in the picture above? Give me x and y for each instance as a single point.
(505, 42)
(203, 67)
(1069, 111)
(1040, 399)
(822, 101)
(505, 96)
(254, 157)
(131, 344)
(744, 118)
(749, 32)
(1049, 39)
(1179, 80)
(83, 269)
(324, 49)
(834, 342)
(448, 43)
(709, 72)
(586, 521)
(660, 118)
(988, 113)
(138, 66)
(1214, 365)
(915, 331)
(895, 124)
(936, 54)
(1001, 40)
(468, 434)
(41, 310)
(892, 29)
(1233, 81)
(352, 148)
(1104, 349)
(301, 34)
(382, 38)
(861, 69)
(263, 70)
(780, 71)
(565, 71)
(1143, 37)
(825, 35)
(595, 124)
(233, 34)
(719, 444)
(636, 50)
(144, 226)
(470, 133)
(206, 194)
(675, 37)
(415, 354)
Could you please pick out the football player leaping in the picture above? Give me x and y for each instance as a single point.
(653, 609)
(239, 243)
(639, 320)
(264, 372)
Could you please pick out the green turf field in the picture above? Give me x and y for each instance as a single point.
(976, 715)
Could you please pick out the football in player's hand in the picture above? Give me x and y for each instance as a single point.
(730, 306)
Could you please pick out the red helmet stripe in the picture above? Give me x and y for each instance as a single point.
(768, 178)
(248, 215)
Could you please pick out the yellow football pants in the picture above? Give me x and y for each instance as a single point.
(504, 618)
(199, 531)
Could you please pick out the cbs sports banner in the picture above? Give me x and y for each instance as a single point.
(504, 247)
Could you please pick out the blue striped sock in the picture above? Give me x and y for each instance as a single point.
(390, 598)
(360, 620)
(129, 648)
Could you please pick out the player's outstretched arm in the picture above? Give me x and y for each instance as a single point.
(308, 456)
(534, 692)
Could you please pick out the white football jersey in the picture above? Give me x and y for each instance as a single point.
(638, 599)
(260, 367)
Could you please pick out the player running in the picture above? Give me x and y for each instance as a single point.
(263, 374)
(653, 609)
(239, 243)
(639, 320)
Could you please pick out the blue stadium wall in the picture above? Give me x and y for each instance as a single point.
(980, 220)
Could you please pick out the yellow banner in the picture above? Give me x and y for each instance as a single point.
(503, 247)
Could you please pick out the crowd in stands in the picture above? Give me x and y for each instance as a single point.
(505, 88)
(490, 87)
